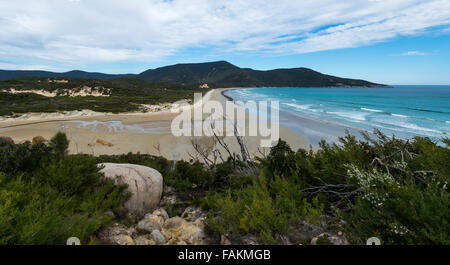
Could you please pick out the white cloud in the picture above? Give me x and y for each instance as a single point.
(413, 53)
(82, 32)
(11, 66)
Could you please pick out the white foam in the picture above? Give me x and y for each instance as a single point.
(409, 126)
(297, 106)
(399, 115)
(371, 110)
(350, 115)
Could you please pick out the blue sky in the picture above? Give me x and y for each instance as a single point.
(386, 41)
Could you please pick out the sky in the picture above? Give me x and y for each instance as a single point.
(385, 41)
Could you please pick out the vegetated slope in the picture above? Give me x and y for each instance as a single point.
(117, 95)
(10, 74)
(224, 74)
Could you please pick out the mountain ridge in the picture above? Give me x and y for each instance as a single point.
(215, 74)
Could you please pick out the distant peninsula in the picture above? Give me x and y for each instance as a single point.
(220, 74)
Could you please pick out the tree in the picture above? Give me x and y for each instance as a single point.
(59, 144)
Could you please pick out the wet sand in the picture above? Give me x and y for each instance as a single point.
(146, 133)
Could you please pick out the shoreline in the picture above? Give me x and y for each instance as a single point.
(146, 133)
(314, 130)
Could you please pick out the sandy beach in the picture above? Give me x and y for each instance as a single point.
(146, 133)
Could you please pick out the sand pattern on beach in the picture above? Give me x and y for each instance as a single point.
(147, 133)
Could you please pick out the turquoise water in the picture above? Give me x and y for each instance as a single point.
(405, 111)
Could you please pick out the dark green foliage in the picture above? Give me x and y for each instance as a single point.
(47, 198)
(186, 175)
(281, 160)
(404, 200)
(394, 189)
(59, 144)
(264, 208)
(16, 158)
(409, 214)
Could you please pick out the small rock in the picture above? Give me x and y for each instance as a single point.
(173, 222)
(38, 140)
(158, 237)
(186, 232)
(147, 225)
(193, 213)
(113, 231)
(339, 233)
(144, 241)
(156, 218)
(304, 232)
(122, 240)
(341, 240)
(169, 190)
(224, 241)
(110, 214)
(104, 143)
(249, 240)
(161, 212)
(200, 222)
(327, 239)
(168, 200)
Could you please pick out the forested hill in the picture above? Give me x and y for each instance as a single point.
(10, 74)
(215, 74)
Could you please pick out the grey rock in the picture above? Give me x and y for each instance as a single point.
(110, 214)
(158, 237)
(147, 226)
(173, 222)
(144, 183)
(161, 212)
(304, 232)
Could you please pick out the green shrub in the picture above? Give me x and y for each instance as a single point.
(403, 200)
(187, 176)
(398, 210)
(46, 200)
(59, 144)
(264, 208)
(16, 158)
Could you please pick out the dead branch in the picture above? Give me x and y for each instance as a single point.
(157, 146)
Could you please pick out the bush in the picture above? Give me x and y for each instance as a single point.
(46, 199)
(264, 208)
(188, 176)
(391, 188)
(398, 211)
(59, 144)
(37, 214)
(16, 158)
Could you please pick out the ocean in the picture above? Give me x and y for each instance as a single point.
(404, 111)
